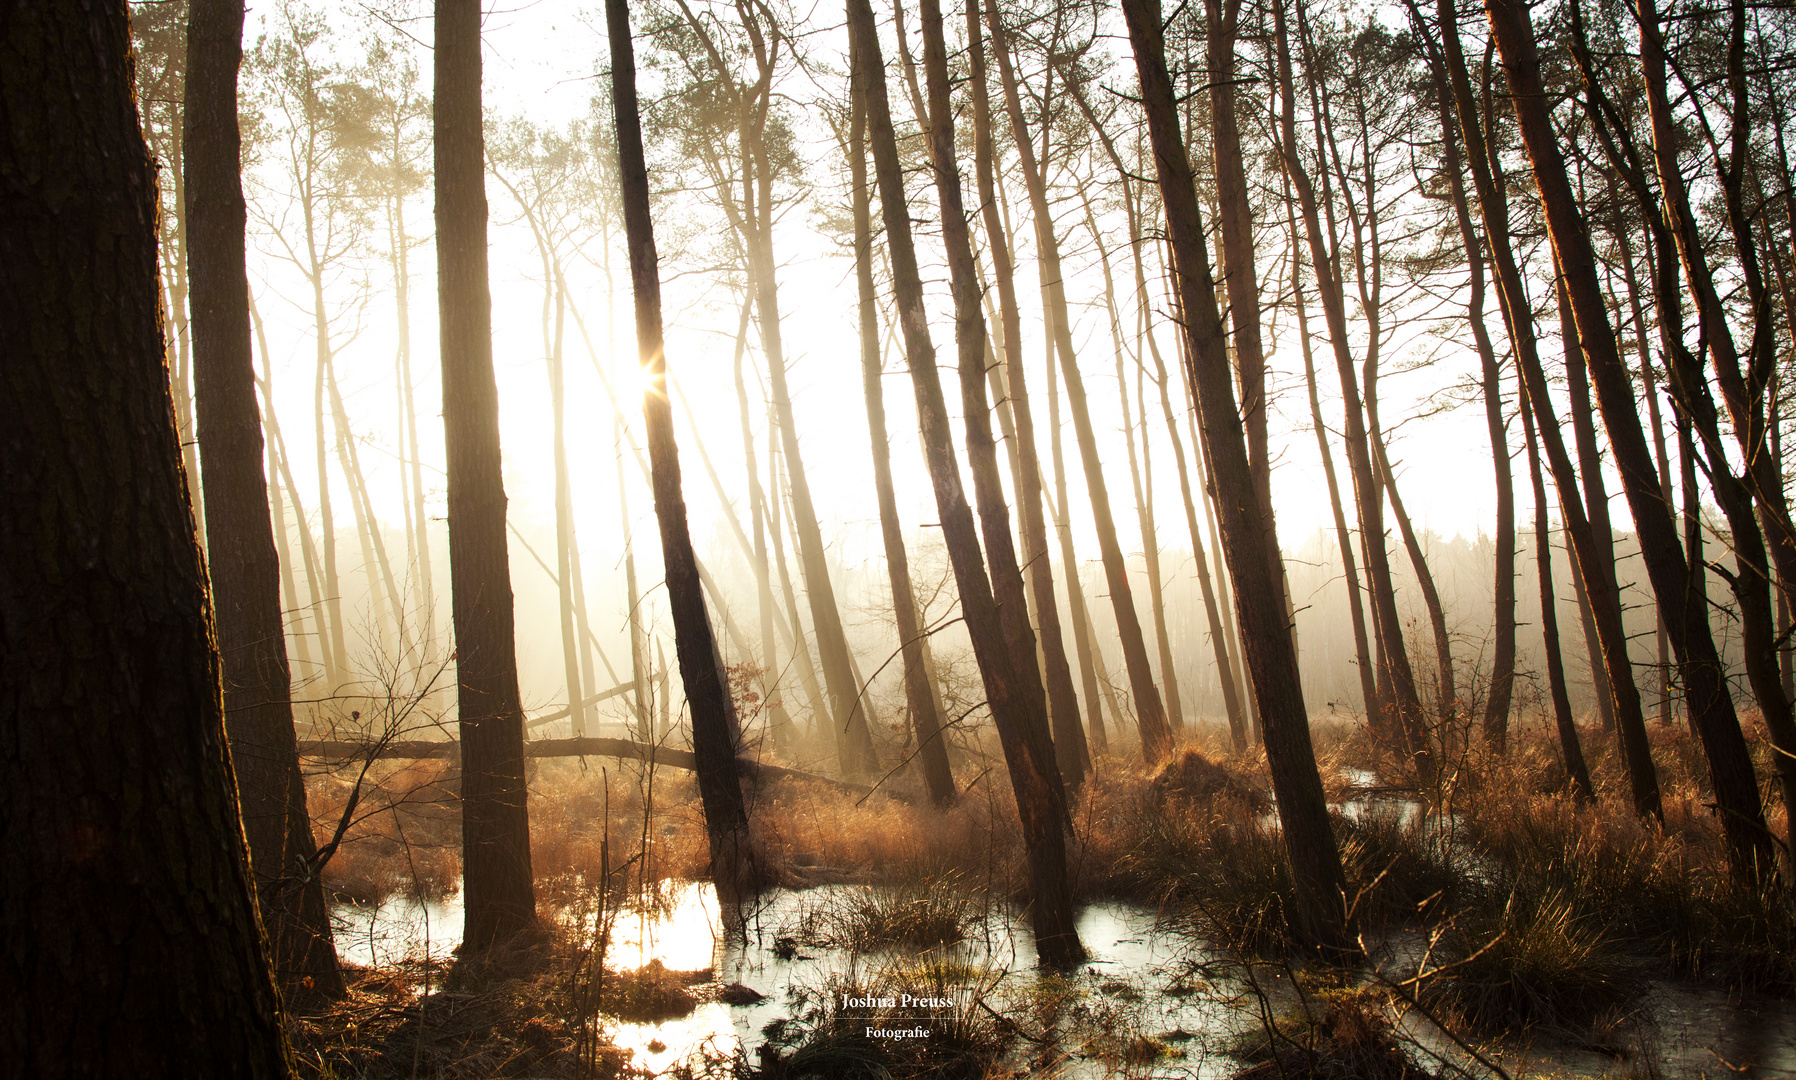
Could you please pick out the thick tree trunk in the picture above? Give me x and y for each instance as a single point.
(707, 693)
(245, 572)
(129, 913)
(1150, 713)
(971, 349)
(1035, 777)
(496, 879)
(1239, 274)
(1251, 542)
(1712, 707)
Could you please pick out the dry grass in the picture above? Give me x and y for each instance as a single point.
(511, 1018)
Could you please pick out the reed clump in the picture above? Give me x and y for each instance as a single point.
(917, 915)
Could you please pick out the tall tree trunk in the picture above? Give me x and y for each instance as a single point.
(1138, 467)
(1034, 775)
(496, 881)
(327, 523)
(1070, 744)
(1368, 678)
(854, 738)
(414, 456)
(1490, 183)
(1239, 274)
(1251, 541)
(970, 339)
(280, 477)
(1563, 721)
(1650, 391)
(707, 693)
(1395, 672)
(1150, 713)
(119, 820)
(757, 505)
(245, 573)
(1730, 766)
(1085, 646)
(577, 690)
(926, 721)
(1600, 584)
(1502, 665)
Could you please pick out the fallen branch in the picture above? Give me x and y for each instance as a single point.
(759, 772)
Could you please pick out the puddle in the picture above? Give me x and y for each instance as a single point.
(1133, 961)
(398, 930)
(1134, 979)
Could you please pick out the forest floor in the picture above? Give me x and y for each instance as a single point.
(1496, 913)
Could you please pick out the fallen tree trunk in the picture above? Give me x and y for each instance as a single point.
(347, 750)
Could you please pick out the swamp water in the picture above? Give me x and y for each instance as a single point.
(1150, 1001)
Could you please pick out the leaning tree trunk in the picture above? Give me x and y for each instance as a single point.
(1502, 664)
(1150, 713)
(496, 880)
(1518, 317)
(128, 910)
(1368, 678)
(970, 342)
(1250, 542)
(707, 693)
(1395, 675)
(1034, 775)
(1711, 705)
(245, 573)
(926, 721)
(1070, 744)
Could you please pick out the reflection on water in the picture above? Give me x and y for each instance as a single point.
(398, 930)
(1138, 970)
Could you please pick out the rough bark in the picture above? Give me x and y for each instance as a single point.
(1034, 775)
(1711, 705)
(496, 880)
(245, 572)
(707, 693)
(119, 819)
(1250, 541)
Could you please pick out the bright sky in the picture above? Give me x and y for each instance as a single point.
(540, 64)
